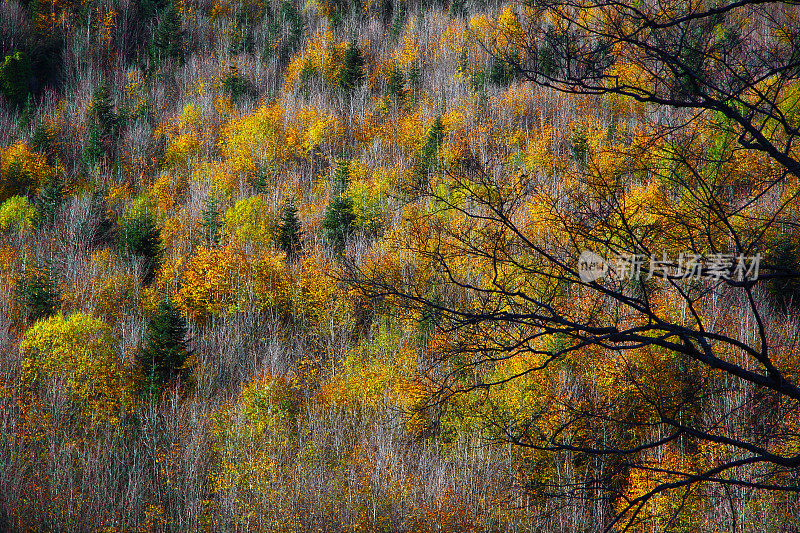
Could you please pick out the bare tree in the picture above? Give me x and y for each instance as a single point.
(665, 366)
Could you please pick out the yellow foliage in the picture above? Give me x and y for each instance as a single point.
(254, 140)
(70, 365)
(16, 213)
(182, 150)
(23, 170)
(253, 439)
(313, 131)
(115, 293)
(251, 222)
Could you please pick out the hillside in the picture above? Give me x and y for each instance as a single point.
(399, 266)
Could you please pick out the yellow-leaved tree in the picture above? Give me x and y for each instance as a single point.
(71, 370)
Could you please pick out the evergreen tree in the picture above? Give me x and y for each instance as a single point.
(101, 227)
(164, 349)
(48, 200)
(212, 220)
(101, 122)
(289, 235)
(429, 153)
(337, 224)
(168, 38)
(37, 291)
(139, 236)
(15, 74)
(234, 84)
(396, 85)
(352, 68)
(341, 176)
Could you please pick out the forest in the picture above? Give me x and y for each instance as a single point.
(400, 265)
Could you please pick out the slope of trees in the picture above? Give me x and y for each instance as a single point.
(399, 266)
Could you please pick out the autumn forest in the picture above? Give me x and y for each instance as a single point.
(400, 266)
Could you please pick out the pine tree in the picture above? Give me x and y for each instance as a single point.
(164, 350)
(101, 228)
(15, 74)
(396, 85)
(212, 220)
(337, 224)
(139, 236)
(168, 38)
(234, 84)
(102, 122)
(341, 176)
(37, 291)
(289, 235)
(352, 68)
(429, 152)
(48, 200)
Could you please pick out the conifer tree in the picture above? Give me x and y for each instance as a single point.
(102, 228)
(289, 235)
(429, 152)
(101, 122)
(37, 291)
(352, 67)
(168, 38)
(164, 349)
(15, 73)
(48, 200)
(212, 220)
(396, 85)
(139, 236)
(337, 224)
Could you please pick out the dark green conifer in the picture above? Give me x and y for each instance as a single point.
(337, 224)
(352, 68)
(168, 38)
(396, 85)
(429, 153)
(212, 220)
(139, 236)
(15, 74)
(37, 291)
(101, 123)
(48, 200)
(289, 235)
(164, 349)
